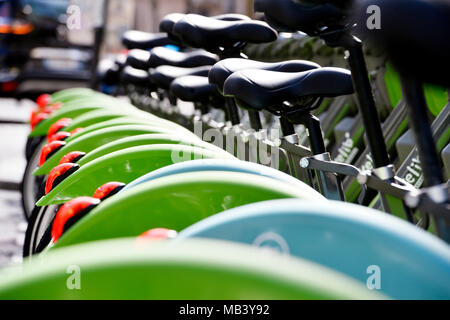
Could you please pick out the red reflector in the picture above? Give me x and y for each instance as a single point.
(52, 108)
(106, 189)
(72, 157)
(61, 136)
(58, 125)
(56, 106)
(56, 172)
(156, 235)
(48, 148)
(45, 113)
(10, 86)
(69, 210)
(48, 111)
(37, 119)
(43, 100)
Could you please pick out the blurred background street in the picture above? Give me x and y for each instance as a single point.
(12, 164)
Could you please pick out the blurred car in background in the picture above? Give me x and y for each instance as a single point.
(36, 54)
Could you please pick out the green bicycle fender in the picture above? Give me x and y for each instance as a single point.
(97, 98)
(100, 115)
(95, 139)
(68, 99)
(67, 94)
(124, 166)
(132, 119)
(129, 120)
(93, 117)
(68, 112)
(175, 202)
(116, 122)
(144, 139)
(141, 117)
(105, 101)
(195, 269)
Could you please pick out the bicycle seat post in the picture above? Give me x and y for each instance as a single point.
(329, 183)
(417, 114)
(294, 151)
(255, 120)
(287, 128)
(417, 50)
(413, 92)
(363, 89)
(231, 109)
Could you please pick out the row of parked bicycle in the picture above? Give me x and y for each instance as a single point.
(294, 143)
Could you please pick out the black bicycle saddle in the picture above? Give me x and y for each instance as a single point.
(215, 35)
(167, 23)
(138, 58)
(231, 17)
(290, 16)
(135, 76)
(163, 56)
(133, 39)
(121, 60)
(194, 88)
(164, 75)
(414, 34)
(223, 69)
(341, 4)
(262, 89)
(108, 72)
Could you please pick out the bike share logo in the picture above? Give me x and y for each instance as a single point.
(368, 165)
(246, 147)
(347, 151)
(414, 173)
(272, 241)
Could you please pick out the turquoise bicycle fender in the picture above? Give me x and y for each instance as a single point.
(351, 239)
